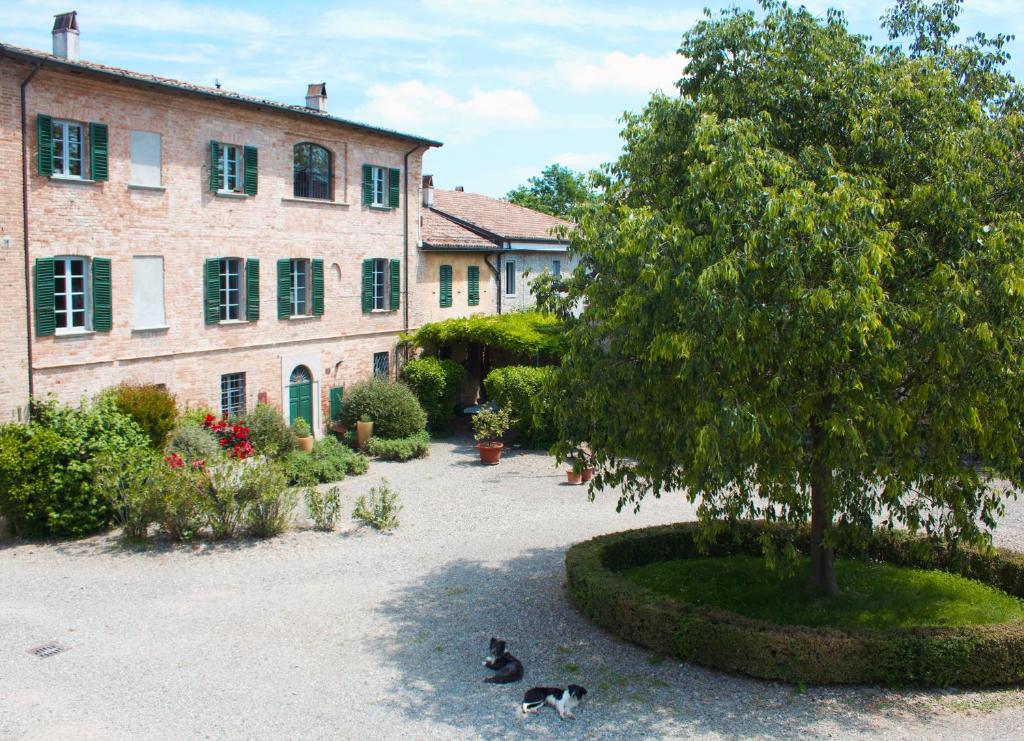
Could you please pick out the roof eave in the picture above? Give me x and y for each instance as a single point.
(68, 65)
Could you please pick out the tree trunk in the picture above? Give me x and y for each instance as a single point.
(822, 578)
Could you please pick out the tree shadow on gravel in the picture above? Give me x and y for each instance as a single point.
(442, 626)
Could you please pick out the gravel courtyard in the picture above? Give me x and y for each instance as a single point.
(355, 634)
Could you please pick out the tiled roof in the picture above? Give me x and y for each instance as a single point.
(34, 56)
(500, 218)
(441, 232)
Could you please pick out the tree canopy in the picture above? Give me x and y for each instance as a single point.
(803, 284)
(557, 191)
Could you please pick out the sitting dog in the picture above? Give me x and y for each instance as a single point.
(507, 668)
(561, 700)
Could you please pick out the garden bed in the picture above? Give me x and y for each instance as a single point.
(966, 654)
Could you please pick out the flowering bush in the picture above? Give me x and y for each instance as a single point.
(233, 437)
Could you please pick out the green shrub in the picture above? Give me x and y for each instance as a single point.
(272, 504)
(490, 424)
(522, 334)
(130, 482)
(151, 406)
(329, 461)
(269, 434)
(379, 509)
(84, 433)
(193, 442)
(963, 655)
(29, 457)
(402, 449)
(183, 495)
(196, 415)
(392, 406)
(521, 389)
(228, 496)
(301, 428)
(436, 383)
(323, 506)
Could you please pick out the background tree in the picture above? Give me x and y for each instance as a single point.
(803, 287)
(557, 191)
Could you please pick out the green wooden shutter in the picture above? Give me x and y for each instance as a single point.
(216, 167)
(252, 289)
(251, 168)
(446, 286)
(336, 396)
(394, 186)
(367, 285)
(102, 306)
(473, 292)
(284, 289)
(44, 131)
(98, 151)
(46, 322)
(318, 287)
(396, 284)
(211, 303)
(367, 185)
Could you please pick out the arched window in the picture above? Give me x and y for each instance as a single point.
(301, 374)
(312, 169)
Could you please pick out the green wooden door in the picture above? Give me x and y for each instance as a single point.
(300, 395)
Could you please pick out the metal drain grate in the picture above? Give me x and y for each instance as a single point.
(47, 649)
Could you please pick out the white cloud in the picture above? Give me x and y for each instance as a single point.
(566, 15)
(414, 104)
(620, 71)
(582, 160)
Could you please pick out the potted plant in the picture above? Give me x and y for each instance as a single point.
(580, 469)
(303, 434)
(364, 431)
(488, 426)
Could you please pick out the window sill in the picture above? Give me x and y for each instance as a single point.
(73, 332)
(230, 194)
(157, 328)
(230, 322)
(315, 202)
(73, 180)
(378, 207)
(153, 188)
(302, 317)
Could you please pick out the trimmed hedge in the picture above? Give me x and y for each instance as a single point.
(524, 334)
(393, 407)
(521, 390)
(436, 383)
(402, 449)
(963, 656)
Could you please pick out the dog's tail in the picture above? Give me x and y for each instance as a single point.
(503, 678)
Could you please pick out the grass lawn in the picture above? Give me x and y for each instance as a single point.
(873, 595)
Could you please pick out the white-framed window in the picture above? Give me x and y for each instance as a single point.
(380, 365)
(379, 180)
(68, 149)
(145, 159)
(300, 288)
(380, 283)
(231, 167)
(232, 394)
(70, 294)
(230, 288)
(556, 267)
(510, 277)
(148, 290)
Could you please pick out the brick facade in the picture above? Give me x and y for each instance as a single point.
(185, 224)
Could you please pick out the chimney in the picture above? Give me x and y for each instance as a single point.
(460, 189)
(316, 97)
(428, 190)
(65, 36)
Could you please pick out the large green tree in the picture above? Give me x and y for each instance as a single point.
(557, 191)
(803, 284)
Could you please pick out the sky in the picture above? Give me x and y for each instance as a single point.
(508, 86)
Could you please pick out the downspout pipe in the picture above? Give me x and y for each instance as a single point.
(497, 277)
(405, 239)
(24, 225)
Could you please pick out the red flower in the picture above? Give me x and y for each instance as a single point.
(174, 460)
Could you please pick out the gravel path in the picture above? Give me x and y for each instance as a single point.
(354, 634)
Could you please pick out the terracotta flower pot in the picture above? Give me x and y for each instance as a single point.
(588, 474)
(490, 453)
(573, 477)
(364, 431)
(305, 444)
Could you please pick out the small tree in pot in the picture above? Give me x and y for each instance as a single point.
(488, 427)
(303, 434)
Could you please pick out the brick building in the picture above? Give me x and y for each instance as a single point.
(232, 248)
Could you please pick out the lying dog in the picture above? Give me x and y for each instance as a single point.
(507, 668)
(561, 700)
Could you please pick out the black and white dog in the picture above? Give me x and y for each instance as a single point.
(561, 700)
(507, 668)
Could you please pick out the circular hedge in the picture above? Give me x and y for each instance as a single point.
(393, 407)
(961, 656)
